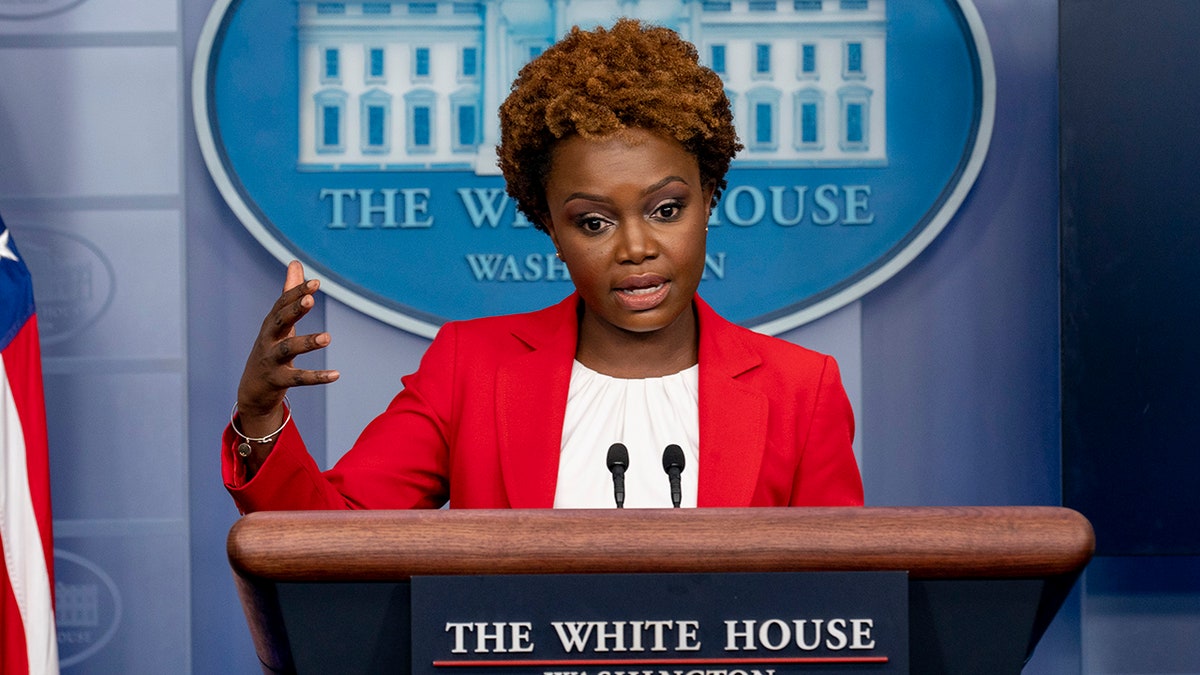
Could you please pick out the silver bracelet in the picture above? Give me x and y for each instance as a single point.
(243, 449)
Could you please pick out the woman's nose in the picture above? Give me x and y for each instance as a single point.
(637, 241)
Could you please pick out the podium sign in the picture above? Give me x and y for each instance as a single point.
(610, 624)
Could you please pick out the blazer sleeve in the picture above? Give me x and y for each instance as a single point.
(399, 461)
(828, 472)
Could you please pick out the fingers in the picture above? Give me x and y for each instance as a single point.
(289, 348)
(295, 275)
(296, 288)
(269, 372)
(285, 378)
(307, 378)
(289, 308)
(284, 375)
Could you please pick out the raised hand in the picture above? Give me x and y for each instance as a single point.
(269, 372)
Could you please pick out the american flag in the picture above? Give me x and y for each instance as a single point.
(28, 641)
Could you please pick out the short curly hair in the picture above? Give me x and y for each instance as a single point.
(594, 83)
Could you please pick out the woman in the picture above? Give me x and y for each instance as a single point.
(616, 144)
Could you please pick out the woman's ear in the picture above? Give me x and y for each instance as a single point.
(548, 225)
(709, 190)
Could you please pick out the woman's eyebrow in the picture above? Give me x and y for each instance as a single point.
(663, 183)
(584, 195)
(649, 190)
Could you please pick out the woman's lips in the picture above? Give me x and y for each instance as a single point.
(642, 292)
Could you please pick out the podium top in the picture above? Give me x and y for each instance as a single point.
(927, 542)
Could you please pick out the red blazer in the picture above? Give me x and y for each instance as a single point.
(480, 424)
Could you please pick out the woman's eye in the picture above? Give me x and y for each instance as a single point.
(592, 224)
(669, 211)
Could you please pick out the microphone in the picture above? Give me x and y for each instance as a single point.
(673, 462)
(618, 461)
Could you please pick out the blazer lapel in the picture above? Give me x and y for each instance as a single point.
(531, 403)
(733, 416)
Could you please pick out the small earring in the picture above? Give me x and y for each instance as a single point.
(558, 254)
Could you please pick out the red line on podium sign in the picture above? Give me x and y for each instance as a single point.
(665, 662)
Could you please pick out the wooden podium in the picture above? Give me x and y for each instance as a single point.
(327, 591)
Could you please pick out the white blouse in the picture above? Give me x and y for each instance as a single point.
(646, 415)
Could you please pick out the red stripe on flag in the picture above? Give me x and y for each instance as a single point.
(23, 361)
(27, 632)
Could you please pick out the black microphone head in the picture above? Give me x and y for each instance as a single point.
(618, 457)
(673, 458)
